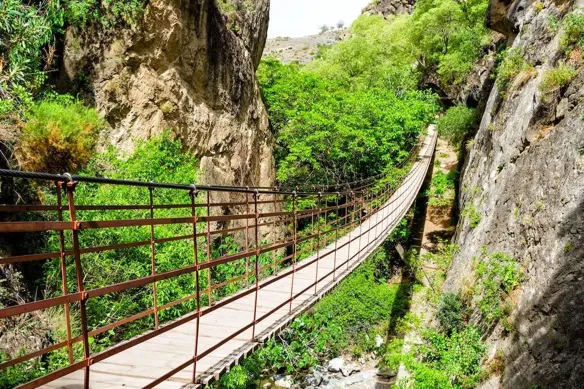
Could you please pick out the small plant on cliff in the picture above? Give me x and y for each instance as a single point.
(58, 136)
(573, 35)
(108, 13)
(557, 78)
(511, 64)
(497, 275)
(473, 215)
(456, 123)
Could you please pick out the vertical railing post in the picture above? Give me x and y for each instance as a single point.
(63, 263)
(319, 231)
(325, 227)
(153, 258)
(338, 221)
(209, 259)
(274, 257)
(370, 214)
(247, 237)
(361, 207)
(257, 263)
(294, 247)
(193, 194)
(79, 276)
(311, 227)
(351, 226)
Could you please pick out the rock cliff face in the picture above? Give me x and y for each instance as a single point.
(525, 176)
(187, 67)
(387, 8)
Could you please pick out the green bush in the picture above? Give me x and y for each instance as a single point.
(449, 34)
(453, 314)
(497, 275)
(58, 136)
(557, 78)
(441, 361)
(26, 29)
(473, 215)
(108, 13)
(456, 123)
(510, 65)
(573, 35)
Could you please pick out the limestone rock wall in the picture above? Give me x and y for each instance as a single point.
(187, 67)
(525, 176)
(387, 8)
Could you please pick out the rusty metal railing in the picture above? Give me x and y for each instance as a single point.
(274, 229)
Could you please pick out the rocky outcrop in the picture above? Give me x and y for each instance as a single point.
(304, 49)
(474, 90)
(188, 67)
(386, 8)
(525, 177)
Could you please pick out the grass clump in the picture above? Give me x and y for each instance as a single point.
(497, 275)
(557, 78)
(456, 123)
(59, 135)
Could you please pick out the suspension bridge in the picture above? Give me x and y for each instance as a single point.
(224, 327)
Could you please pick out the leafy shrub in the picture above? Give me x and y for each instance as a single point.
(497, 275)
(59, 135)
(441, 361)
(453, 313)
(449, 35)
(511, 64)
(109, 13)
(26, 28)
(557, 78)
(573, 35)
(456, 123)
(473, 215)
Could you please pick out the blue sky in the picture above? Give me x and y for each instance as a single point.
(295, 18)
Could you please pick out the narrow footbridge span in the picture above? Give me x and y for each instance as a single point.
(297, 245)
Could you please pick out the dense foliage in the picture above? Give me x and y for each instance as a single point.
(356, 110)
(30, 33)
(457, 123)
(328, 133)
(157, 160)
(449, 36)
(497, 275)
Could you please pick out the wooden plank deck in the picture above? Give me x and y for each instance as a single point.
(142, 364)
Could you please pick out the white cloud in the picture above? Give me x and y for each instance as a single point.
(295, 18)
